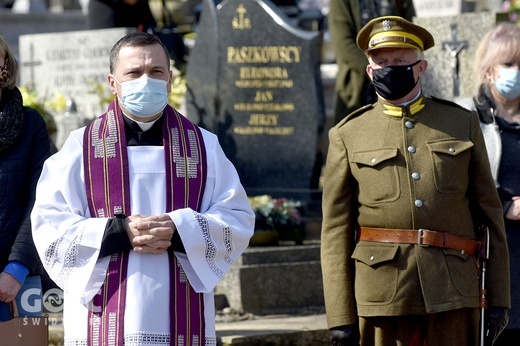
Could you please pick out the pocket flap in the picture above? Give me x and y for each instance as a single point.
(451, 147)
(374, 254)
(451, 252)
(374, 157)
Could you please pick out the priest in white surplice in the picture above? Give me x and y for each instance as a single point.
(140, 214)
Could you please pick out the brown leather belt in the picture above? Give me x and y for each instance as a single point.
(421, 237)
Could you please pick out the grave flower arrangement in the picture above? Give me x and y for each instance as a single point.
(512, 7)
(46, 106)
(280, 216)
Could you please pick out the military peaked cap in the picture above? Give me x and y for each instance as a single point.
(393, 32)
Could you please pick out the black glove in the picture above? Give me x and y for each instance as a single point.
(495, 320)
(345, 335)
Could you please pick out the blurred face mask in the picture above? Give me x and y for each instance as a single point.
(394, 82)
(145, 96)
(508, 83)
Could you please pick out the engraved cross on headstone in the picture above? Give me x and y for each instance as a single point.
(454, 47)
(31, 63)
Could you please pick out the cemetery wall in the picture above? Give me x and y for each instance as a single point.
(12, 25)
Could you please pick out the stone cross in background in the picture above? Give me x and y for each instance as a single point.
(454, 47)
(30, 64)
(450, 62)
(71, 64)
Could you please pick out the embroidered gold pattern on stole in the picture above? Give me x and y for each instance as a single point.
(112, 325)
(96, 321)
(192, 160)
(183, 277)
(109, 147)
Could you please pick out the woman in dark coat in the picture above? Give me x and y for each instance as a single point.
(24, 146)
(497, 100)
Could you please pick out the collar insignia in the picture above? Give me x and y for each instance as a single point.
(400, 111)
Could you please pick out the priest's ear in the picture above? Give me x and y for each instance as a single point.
(114, 85)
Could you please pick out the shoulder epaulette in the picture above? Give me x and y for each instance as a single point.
(355, 113)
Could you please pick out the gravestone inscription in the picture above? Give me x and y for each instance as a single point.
(265, 102)
(70, 63)
(450, 61)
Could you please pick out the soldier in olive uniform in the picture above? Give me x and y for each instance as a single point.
(345, 19)
(407, 186)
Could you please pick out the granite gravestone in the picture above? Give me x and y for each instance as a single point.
(254, 80)
(72, 64)
(450, 61)
(203, 71)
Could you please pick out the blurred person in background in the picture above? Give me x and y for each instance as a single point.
(103, 14)
(24, 146)
(497, 100)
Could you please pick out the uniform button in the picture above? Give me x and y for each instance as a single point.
(409, 124)
(373, 160)
(372, 258)
(451, 150)
(418, 203)
(411, 149)
(416, 176)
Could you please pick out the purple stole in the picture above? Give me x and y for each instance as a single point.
(108, 192)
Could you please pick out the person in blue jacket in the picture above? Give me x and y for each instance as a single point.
(24, 146)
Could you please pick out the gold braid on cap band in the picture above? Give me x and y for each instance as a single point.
(409, 39)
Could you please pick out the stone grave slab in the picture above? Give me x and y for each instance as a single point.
(265, 101)
(70, 63)
(272, 280)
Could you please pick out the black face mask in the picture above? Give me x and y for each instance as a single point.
(394, 82)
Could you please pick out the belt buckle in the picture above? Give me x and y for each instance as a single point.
(420, 237)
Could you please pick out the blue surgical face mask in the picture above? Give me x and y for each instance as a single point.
(508, 83)
(144, 97)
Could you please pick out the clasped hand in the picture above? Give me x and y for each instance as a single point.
(150, 234)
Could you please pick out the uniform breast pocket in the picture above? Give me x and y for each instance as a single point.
(450, 162)
(377, 176)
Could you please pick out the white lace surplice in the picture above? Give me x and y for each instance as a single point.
(68, 240)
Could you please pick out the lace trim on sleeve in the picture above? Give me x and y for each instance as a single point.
(210, 250)
(70, 262)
